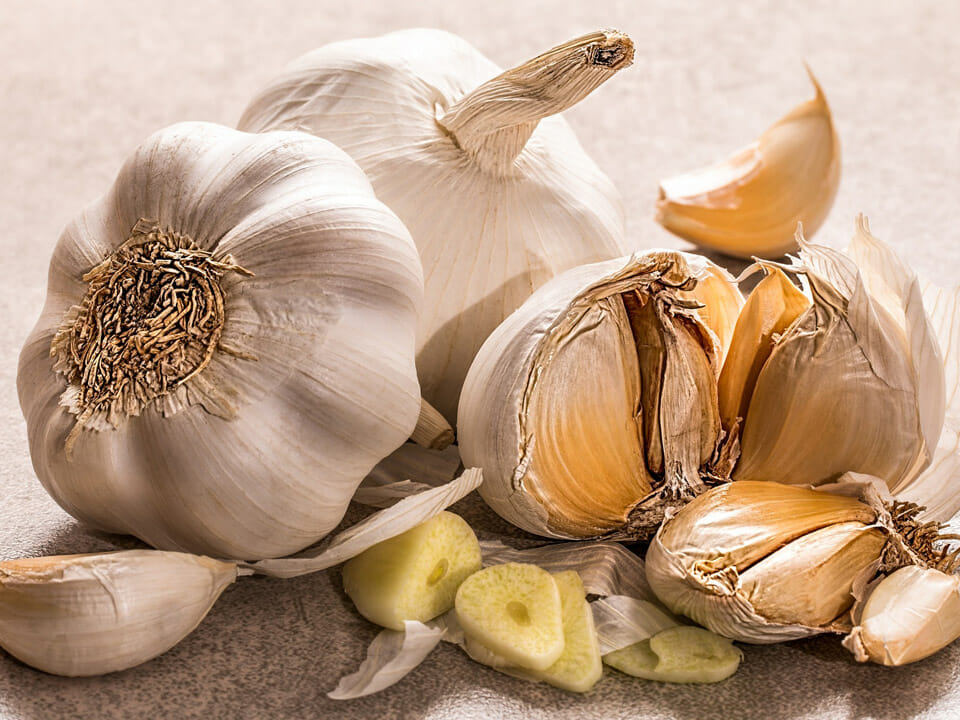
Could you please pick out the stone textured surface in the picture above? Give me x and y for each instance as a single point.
(82, 83)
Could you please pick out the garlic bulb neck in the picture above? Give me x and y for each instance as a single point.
(493, 123)
(151, 320)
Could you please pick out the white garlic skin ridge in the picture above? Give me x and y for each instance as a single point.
(251, 458)
(486, 241)
(81, 615)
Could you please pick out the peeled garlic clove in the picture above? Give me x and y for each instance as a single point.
(764, 562)
(98, 613)
(513, 610)
(681, 654)
(750, 204)
(493, 185)
(841, 388)
(414, 575)
(909, 615)
(599, 392)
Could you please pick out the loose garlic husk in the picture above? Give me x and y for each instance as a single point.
(497, 193)
(98, 613)
(907, 616)
(750, 204)
(594, 406)
(762, 562)
(227, 346)
(846, 376)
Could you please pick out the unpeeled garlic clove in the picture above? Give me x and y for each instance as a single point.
(750, 204)
(762, 562)
(909, 615)
(91, 614)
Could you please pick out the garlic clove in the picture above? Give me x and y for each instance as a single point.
(98, 613)
(701, 560)
(909, 615)
(810, 580)
(750, 204)
(595, 395)
(838, 392)
(772, 307)
(720, 303)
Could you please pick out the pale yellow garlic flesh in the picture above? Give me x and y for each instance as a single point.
(749, 204)
(228, 406)
(605, 381)
(762, 562)
(493, 185)
(97, 613)
(909, 615)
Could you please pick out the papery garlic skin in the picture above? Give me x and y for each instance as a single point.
(92, 614)
(749, 204)
(908, 615)
(498, 197)
(312, 381)
(763, 562)
(562, 406)
(854, 383)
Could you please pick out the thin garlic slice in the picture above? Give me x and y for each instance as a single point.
(595, 395)
(99, 613)
(750, 204)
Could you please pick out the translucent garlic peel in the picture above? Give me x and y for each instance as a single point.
(749, 205)
(259, 453)
(764, 562)
(908, 615)
(461, 150)
(92, 614)
(536, 417)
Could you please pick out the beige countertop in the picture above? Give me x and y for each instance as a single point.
(82, 83)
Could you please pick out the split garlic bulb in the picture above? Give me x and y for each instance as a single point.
(749, 204)
(498, 196)
(98, 613)
(227, 346)
(594, 405)
(846, 376)
(762, 562)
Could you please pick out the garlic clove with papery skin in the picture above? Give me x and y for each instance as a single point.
(493, 185)
(594, 405)
(749, 204)
(908, 615)
(98, 613)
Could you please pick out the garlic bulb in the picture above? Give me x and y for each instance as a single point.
(99, 613)
(846, 376)
(750, 204)
(227, 346)
(908, 615)
(498, 196)
(762, 562)
(594, 405)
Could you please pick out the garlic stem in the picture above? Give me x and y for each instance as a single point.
(493, 123)
(432, 430)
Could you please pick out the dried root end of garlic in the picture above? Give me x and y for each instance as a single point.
(594, 405)
(91, 614)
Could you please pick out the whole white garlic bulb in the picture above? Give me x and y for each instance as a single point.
(227, 346)
(594, 405)
(498, 196)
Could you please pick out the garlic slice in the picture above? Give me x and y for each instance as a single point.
(762, 562)
(494, 187)
(102, 612)
(750, 204)
(598, 393)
